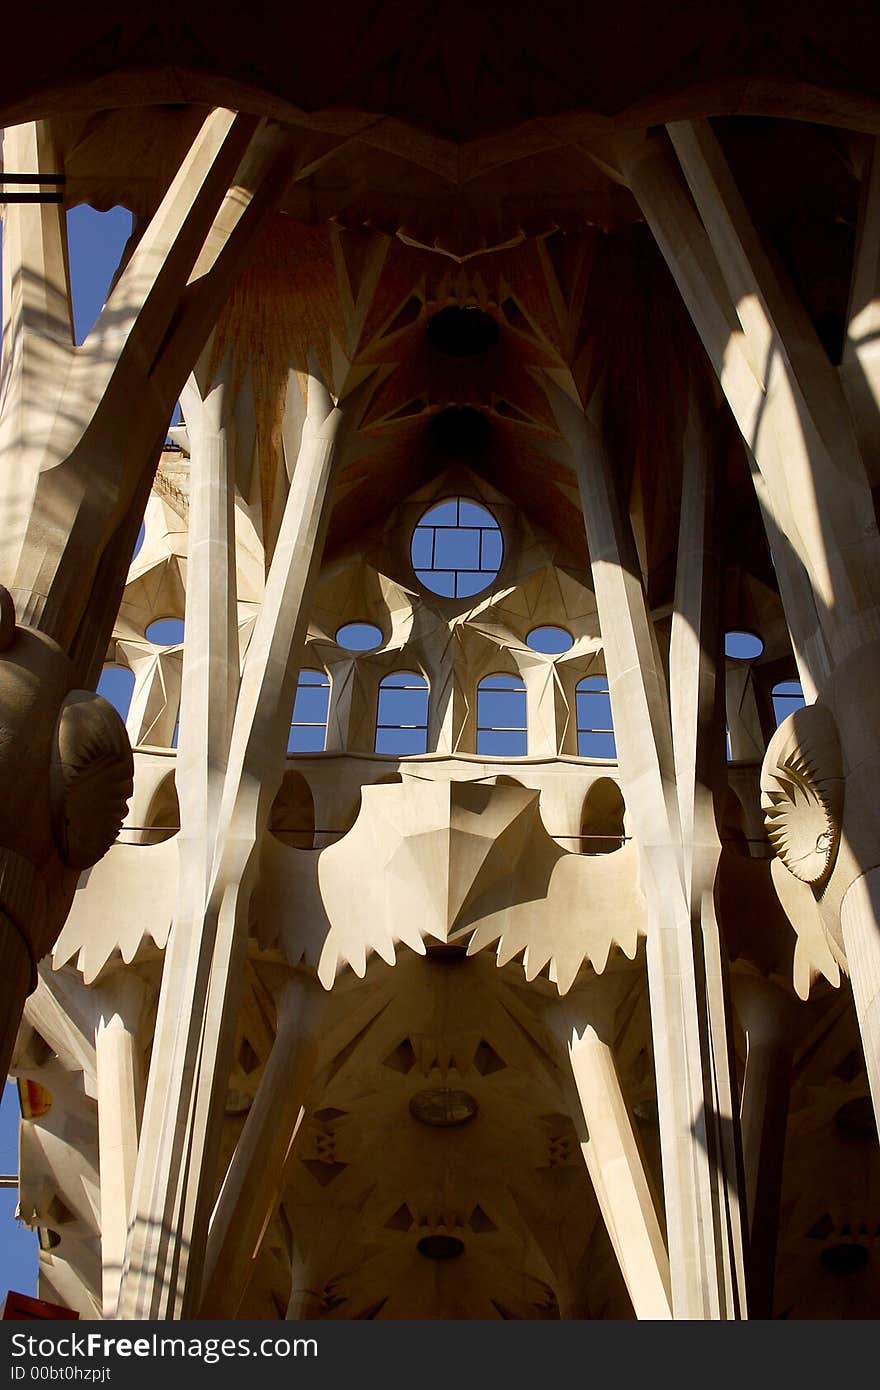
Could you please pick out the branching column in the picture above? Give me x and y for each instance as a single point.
(201, 986)
(705, 1253)
(802, 424)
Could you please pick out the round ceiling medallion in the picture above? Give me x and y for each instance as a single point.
(846, 1258)
(462, 330)
(443, 1107)
(440, 1247)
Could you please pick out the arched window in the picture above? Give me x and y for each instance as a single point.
(602, 818)
(402, 714)
(116, 685)
(163, 817)
(595, 730)
(292, 818)
(787, 697)
(308, 727)
(502, 726)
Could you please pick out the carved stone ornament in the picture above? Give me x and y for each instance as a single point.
(91, 778)
(802, 789)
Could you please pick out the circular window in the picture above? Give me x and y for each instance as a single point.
(359, 637)
(165, 632)
(139, 542)
(552, 641)
(457, 548)
(742, 646)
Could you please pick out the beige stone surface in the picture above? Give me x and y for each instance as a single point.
(449, 1033)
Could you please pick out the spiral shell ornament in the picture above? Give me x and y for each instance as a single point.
(802, 789)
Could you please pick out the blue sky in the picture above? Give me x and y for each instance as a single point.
(95, 243)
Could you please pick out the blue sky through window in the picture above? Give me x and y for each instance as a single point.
(402, 714)
(595, 729)
(18, 1245)
(743, 646)
(308, 727)
(787, 697)
(116, 685)
(165, 632)
(502, 725)
(457, 548)
(359, 637)
(552, 641)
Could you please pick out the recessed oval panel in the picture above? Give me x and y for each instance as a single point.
(443, 1107)
(440, 1247)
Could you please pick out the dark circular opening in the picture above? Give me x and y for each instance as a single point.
(855, 1118)
(462, 330)
(443, 1107)
(460, 429)
(440, 1247)
(845, 1258)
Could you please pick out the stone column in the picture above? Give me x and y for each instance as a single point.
(618, 1175)
(195, 1027)
(119, 1094)
(685, 973)
(859, 916)
(766, 1013)
(253, 1185)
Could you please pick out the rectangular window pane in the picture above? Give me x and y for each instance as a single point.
(421, 547)
(501, 707)
(596, 745)
(457, 550)
(471, 513)
(401, 741)
(402, 706)
(593, 710)
(501, 743)
(438, 582)
(304, 740)
(491, 554)
(310, 705)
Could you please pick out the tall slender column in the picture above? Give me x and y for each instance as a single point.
(705, 1261)
(252, 1187)
(766, 1014)
(119, 1091)
(859, 915)
(810, 476)
(614, 1162)
(696, 708)
(204, 963)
